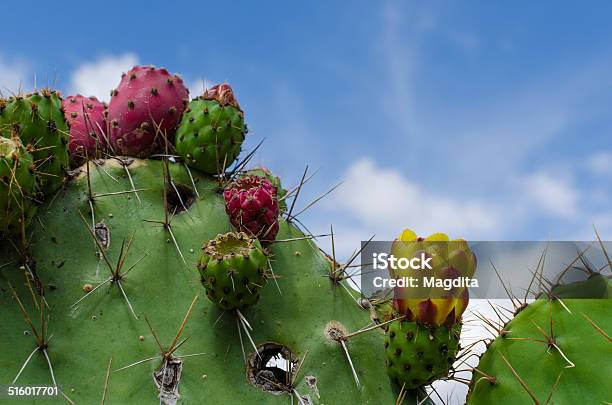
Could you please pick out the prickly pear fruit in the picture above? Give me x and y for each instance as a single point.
(233, 267)
(87, 119)
(554, 350)
(212, 130)
(252, 205)
(417, 354)
(17, 183)
(38, 120)
(274, 180)
(144, 110)
(422, 345)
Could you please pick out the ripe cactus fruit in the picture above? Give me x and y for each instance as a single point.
(252, 205)
(233, 267)
(159, 285)
(17, 184)
(422, 345)
(86, 117)
(212, 130)
(38, 120)
(144, 109)
(555, 350)
(274, 180)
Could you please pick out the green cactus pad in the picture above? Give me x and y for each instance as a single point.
(530, 364)
(17, 183)
(160, 287)
(417, 354)
(39, 122)
(210, 135)
(232, 267)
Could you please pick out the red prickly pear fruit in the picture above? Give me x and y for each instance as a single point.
(144, 109)
(87, 119)
(252, 205)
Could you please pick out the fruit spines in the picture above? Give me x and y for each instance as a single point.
(252, 205)
(87, 119)
(232, 269)
(210, 135)
(17, 187)
(144, 110)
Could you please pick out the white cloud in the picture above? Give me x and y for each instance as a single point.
(14, 75)
(383, 198)
(600, 163)
(555, 195)
(99, 77)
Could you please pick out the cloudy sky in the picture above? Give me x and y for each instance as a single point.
(487, 122)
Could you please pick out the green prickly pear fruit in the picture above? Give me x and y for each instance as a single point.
(38, 120)
(274, 180)
(232, 268)
(17, 184)
(418, 354)
(422, 345)
(210, 135)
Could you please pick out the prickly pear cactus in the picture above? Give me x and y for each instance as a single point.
(38, 120)
(556, 349)
(110, 285)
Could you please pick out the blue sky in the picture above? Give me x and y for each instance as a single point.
(488, 121)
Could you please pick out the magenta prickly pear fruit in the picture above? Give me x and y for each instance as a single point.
(252, 205)
(232, 268)
(87, 119)
(211, 133)
(146, 107)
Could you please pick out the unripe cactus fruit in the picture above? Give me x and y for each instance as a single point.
(233, 267)
(212, 130)
(38, 120)
(17, 183)
(144, 109)
(252, 205)
(87, 119)
(422, 344)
